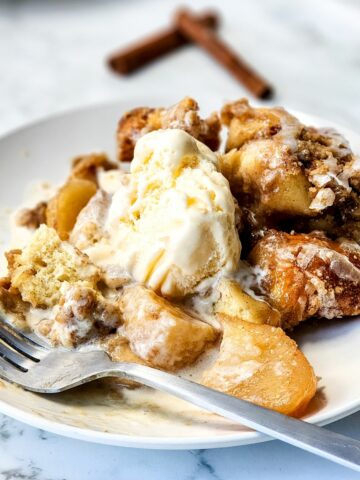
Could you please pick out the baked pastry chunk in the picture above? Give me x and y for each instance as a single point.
(86, 167)
(235, 302)
(261, 364)
(32, 217)
(11, 303)
(52, 275)
(45, 265)
(279, 168)
(184, 115)
(161, 333)
(82, 313)
(308, 275)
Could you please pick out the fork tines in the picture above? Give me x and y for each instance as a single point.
(17, 350)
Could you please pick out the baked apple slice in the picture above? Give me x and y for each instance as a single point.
(63, 209)
(261, 364)
(235, 302)
(161, 333)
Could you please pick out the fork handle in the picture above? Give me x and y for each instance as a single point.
(324, 443)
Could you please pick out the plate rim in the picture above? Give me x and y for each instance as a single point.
(152, 442)
(160, 443)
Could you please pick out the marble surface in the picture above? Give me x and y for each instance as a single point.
(52, 58)
(30, 454)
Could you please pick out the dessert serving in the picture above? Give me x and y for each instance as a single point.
(195, 258)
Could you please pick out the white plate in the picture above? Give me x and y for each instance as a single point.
(43, 151)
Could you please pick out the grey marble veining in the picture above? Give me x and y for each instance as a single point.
(30, 454)
(52, 58)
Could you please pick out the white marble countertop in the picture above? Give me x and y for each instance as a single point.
(52, 58)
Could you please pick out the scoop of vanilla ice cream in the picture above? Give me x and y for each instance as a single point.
(173, 225)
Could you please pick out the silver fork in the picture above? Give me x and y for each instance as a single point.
(32, 365)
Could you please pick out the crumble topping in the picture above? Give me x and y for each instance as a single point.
(32, 217)
(70, 286)
(184, 115)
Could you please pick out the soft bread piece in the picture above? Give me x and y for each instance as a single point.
(308, 275)
(261, 364)
(161, 333)
(45, 265)
(234, 302)
(63, 209)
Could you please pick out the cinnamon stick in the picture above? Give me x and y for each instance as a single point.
(190, 26)
(135, 56)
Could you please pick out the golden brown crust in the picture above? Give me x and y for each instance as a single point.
(308, 275)
(280, 169)
(246, 123)
(5, 282)
(32, 217)
(132, 125)
(11, 301)
(86, 166)
(11, 257)
(184, 115)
